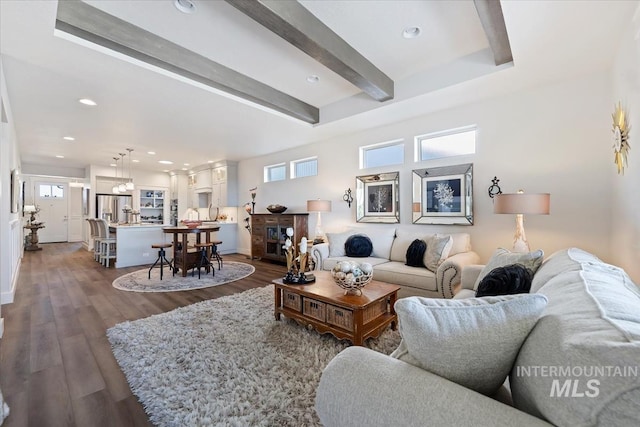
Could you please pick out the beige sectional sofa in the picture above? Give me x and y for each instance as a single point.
(389, 260)
(578, 366)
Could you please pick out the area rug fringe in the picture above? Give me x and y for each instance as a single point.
(227, 362)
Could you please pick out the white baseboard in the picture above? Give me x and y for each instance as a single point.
(7, 297)
(1, 327)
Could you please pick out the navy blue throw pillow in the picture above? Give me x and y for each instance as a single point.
(358, 246)
(415, 253)
(507, 280)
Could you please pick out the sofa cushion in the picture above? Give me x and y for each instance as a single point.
(358, 246)
(482, 335)
(399, 272)
(415, 253)
(402, 241)
(591, 325)
(502, 257)
(510, 279)
(461, 243)
(382, 239)
(336, 243)
(438, 248)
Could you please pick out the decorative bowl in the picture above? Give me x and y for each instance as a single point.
(191, 223)
(351, 276)
(276, 208)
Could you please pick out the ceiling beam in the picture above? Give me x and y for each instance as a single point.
(492, 19)
(294, 23)
(91, 24)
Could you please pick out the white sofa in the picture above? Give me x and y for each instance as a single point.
(591, 321)
(389, 256)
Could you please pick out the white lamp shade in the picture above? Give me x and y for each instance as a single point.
(522, 203)
(30, 208)
(115, 189)
(122, 187)
(129, 186)
(318, 205)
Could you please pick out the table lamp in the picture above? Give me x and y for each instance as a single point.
(319, 206)
(33, 210)
(520, 204)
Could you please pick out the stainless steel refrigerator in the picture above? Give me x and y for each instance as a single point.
(109, 207)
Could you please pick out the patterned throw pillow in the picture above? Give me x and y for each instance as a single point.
(438, 248)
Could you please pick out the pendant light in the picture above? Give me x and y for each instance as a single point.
(122, 186)
(129, 183)
(115, 189)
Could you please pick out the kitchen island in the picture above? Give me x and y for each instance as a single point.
(134, 243)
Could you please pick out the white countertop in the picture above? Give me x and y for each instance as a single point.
(137, 225)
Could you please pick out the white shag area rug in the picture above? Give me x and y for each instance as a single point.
(228, 362)
(138, 281)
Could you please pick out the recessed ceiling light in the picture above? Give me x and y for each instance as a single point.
(185, 169)
(210, 161)
(313, 79)
(185, 164)
(69, 138)
(113, 164)
(411, 32)
(135, 161)
(184, 6)
(60, 157)
(165, 162)
(87, 101)
(165, 170)
(153, 153)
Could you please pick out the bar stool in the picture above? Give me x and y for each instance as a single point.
(107, 243)
(95, 237)
(215, 254)
(162, 258)
(203, 259)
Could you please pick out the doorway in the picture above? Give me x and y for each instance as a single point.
(52, 199)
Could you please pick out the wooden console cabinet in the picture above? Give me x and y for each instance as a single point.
(269, 232)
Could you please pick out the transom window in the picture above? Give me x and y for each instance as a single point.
(275, 172)
(382, 154)
(452, 142)
(304, 167)
(51, 190)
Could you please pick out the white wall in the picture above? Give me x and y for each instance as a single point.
(10, 226)
(548, 139)
(625, 205)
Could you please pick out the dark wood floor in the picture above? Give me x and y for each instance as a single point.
(56, 365)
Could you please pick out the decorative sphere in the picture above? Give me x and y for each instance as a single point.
(366, 268)
(345, 266)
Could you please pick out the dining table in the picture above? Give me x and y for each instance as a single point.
(182, 258)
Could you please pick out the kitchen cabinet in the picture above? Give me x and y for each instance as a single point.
(151, 206)
(203, 181)
(269, 232)
(224, 185)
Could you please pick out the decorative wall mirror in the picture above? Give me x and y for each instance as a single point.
(443, 195)
(377, 198)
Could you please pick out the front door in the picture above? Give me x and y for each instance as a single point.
(51, 198)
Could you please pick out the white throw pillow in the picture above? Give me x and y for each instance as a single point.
(473, 342)
(336, 243)
(438, 248)
(502, 257)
